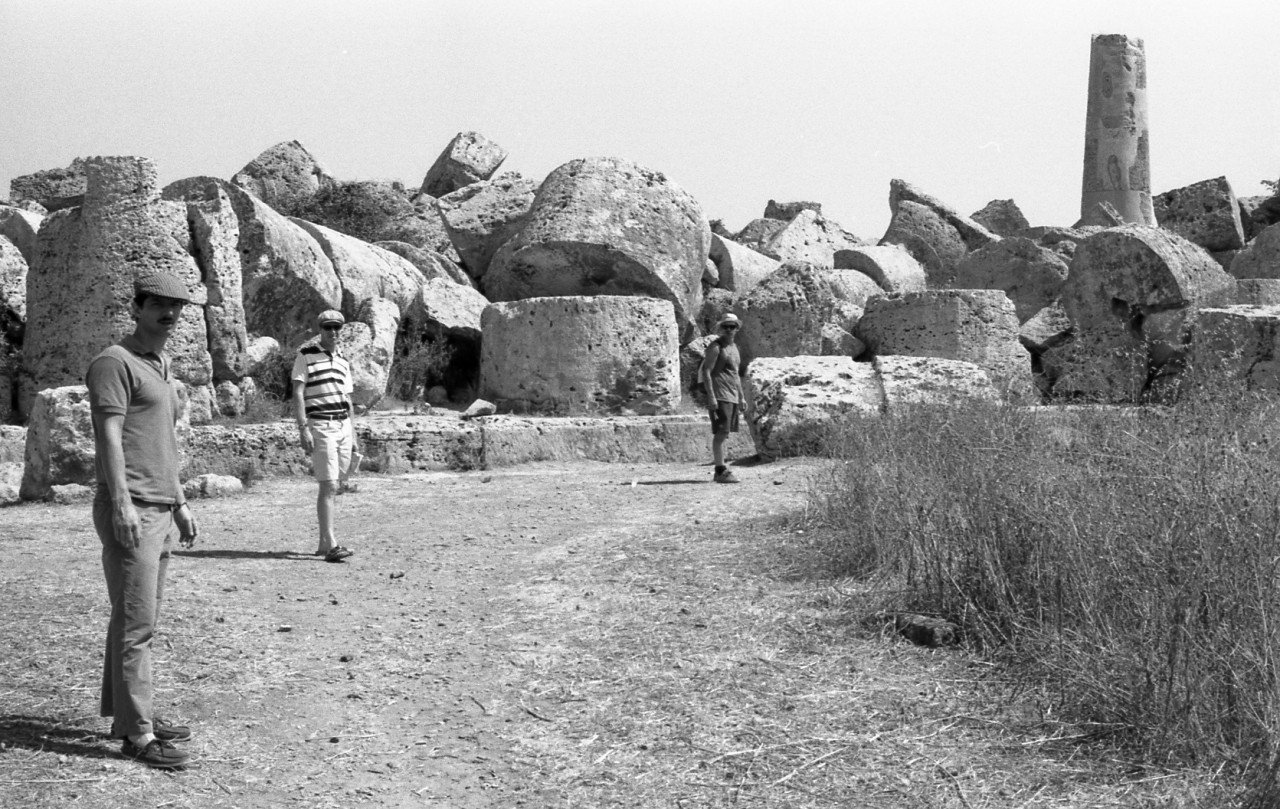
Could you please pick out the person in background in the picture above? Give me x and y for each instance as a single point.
(720, 370)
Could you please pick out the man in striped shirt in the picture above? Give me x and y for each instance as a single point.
(322, 407)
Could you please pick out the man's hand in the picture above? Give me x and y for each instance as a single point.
(308, 443)
(186, 521)
(127, 524)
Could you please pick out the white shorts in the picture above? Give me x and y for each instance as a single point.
(331, 454)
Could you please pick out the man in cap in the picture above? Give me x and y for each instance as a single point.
(720, 370)
(322, 407)
(138, 508)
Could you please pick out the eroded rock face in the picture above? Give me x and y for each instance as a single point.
(972, 325)
(81, 283)
(783, 315)
(739, 268)
(933, 232)
(20, 227)
(1257, 292)
(577, 354)
(1205, 213)
(53, 189)
(482, 216)
(890, 266)
(215, 230)
(914, 381)
(59, 446)
(810, 236)
(1261, 257)
(786, 211)
(604, 226)
(797, 405)
(364, 270)
(445, 308)
(283, 175)
(369, 343)
(1240, 343)
(852, 286)
(757, 233)
(430, 263)
(1002, 217)
(13, 287)
(469, 158)
(1032, 276)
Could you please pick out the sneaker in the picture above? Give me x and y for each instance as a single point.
(726, 476)
(158, 754)
(166, 732)
(338, 553)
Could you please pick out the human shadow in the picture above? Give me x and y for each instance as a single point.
(665, 482)
(231, 554)
(49, 735)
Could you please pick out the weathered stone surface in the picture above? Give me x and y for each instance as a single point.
(366, 271)
(479, 409)
(581, 354)
(1002, 217)
(739, 268)
(13, 443)
(20, 227)
(1261, 257)
(971, 325)
(10, 483)
(80, 286)
(430, 263)
(369, 343)
(54, 189)
(1131, 293)
(797, 405)
(1257, 213)
(13, 286)
(1063, 241)
(1045, 329)
(710, 273)
(469, 157)
(8, 378)
(59, 445)
(810, 237)
(714, 306)
(786, 211)
(283, 175)
(421, 227)
(890, 266)
(929, 238)
(228, 399)
(1239, 342)
(211, 485)
(215, 230)
(852, 286)
(442, 307)
(758, 232)
(1205, 213)
(1117, 159)
(838, 341)
(973, 234)
(286, 277)
(913, 381)
(783, 315)
(604, 226)
(1032, 276)
(482, 216)
(511, 440)
(1257, 292)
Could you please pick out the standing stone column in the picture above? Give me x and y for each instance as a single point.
(1117, 163)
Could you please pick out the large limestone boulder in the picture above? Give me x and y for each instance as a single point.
(1261, 257)
(215, 230)
(365, 271)
(368, 342)
(757, 233)
(1032, 276)
(439, 339)
(430, 263)
(739, 268)
(852, 286)
(442, 307)
(784, 315)
(579, 354)
(80, 285)
(797, 405)
(8, 377)
(20, 227)
(932, 381)
(1257, 292)
(605, 226)
(59, 446)
(469, 158)
(482, 216)
(932, 231)
(786, 211)
(1002, 217)
(53, 189)
(890, 266)
(283, 176)
(13, 286)
(972, 325)
(1240, 343)
(286, 277)
(810, 236)
(1132, 293)
(1205, 213)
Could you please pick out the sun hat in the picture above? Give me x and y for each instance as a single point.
(330, 316)
(161, 285)
(728, 317)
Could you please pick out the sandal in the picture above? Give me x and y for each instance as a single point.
(337, 554)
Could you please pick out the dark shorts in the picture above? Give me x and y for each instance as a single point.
(725, 419)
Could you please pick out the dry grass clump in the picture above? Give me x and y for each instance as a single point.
(1125, 558)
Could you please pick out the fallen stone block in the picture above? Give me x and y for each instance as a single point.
(53, 189)
(1261, 257)
(798, 405)
(283, 176)
(739, 268)
(784, 314)
(59, 442)
(211, 485)
(20, 227)
(470, 157)
(1239, 343)
(929, 381)
(890, 266)
(484, 215)
(1031, 275)
(1002, 217)
(786, 211)
(811, 237)
(1205, 213)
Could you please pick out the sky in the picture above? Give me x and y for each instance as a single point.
(736, 102)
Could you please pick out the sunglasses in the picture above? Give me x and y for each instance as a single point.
(332, 327)
(729, 327)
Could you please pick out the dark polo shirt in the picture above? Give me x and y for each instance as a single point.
(125, 380)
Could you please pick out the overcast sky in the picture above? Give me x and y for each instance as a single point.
(738, 102)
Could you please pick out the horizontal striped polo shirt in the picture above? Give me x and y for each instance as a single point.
(328, 381)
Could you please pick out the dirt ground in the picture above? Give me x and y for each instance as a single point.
(553, 635)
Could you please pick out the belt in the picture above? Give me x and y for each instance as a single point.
(327, 416)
